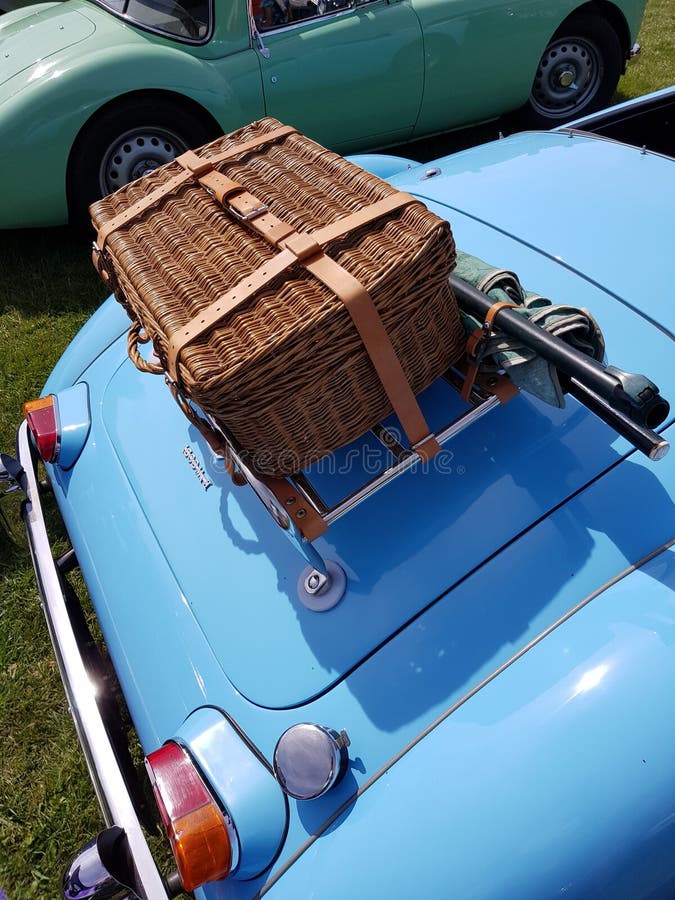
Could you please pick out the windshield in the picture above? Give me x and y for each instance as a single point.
(189, 20)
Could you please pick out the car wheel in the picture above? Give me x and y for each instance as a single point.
(125, 142)
(577, 73)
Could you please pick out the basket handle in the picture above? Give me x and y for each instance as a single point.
(138, 336)
(309, 521)
(135, 337)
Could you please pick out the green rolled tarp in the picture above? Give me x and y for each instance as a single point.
(528, 371)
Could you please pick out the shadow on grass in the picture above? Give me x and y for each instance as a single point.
(14, 552)
(48, 270)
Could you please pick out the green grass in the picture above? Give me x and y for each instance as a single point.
(47, 290)
(46, 293)
(654, 68)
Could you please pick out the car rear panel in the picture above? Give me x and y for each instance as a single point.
(48, 29)
(452, 575)
(167, 665)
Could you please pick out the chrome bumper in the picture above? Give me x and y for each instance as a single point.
(106, 775)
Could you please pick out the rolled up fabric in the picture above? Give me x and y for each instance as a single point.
(528, 371)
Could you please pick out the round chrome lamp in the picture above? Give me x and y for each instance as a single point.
(309, 760)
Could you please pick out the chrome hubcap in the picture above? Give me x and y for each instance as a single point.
(568, 77)
(135, 154)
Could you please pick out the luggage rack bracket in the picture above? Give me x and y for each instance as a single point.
(483, 398)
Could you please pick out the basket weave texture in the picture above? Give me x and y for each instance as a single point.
(286, 374)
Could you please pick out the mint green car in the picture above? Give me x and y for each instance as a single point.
(94, 93)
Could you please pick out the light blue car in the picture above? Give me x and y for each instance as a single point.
(465, 687)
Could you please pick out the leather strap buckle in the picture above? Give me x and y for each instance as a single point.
(245, 214)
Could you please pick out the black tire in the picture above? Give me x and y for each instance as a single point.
(577, 73)
(124, 141)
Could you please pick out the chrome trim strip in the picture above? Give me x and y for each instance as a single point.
(111, 789)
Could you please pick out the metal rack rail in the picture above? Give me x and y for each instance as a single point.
(319, 577)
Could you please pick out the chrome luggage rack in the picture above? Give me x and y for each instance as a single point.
(629, 403)
(317, 578)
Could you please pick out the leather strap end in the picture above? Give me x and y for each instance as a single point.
(303, 246)
(499, 385)
(468, 383)
(427, 448)
(306, 519)
(194, 164)
(245, 206)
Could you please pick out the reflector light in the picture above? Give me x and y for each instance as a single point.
(42, 418)
(193, 821)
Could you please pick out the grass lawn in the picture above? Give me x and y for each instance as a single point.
(47, 290)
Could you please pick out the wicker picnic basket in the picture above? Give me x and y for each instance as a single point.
(292, 297)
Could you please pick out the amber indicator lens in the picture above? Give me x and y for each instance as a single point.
(192, 819)
(42, 418)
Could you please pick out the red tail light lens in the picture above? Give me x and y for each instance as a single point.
(43, 421)
(194, 823)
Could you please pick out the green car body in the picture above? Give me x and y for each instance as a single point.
(363, 76)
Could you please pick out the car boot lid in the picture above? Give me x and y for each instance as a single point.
(401, 550)
(33, 35)
(558, 193)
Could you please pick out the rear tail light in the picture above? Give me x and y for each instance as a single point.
(42, 417)
(195, 825)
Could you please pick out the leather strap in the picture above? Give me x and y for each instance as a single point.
(363, 216)
(297, 246)
(306, 249)
(193, 166)
(247, 208)
(281, 132)
(499, 385)
(223, 305)
(307, 520)
(475, 345)
(380, 350)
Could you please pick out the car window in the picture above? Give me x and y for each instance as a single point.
(188, 20)
(279, 13)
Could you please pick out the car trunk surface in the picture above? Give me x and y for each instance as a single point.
(48, 29)
(562, 195)
(401, 550)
